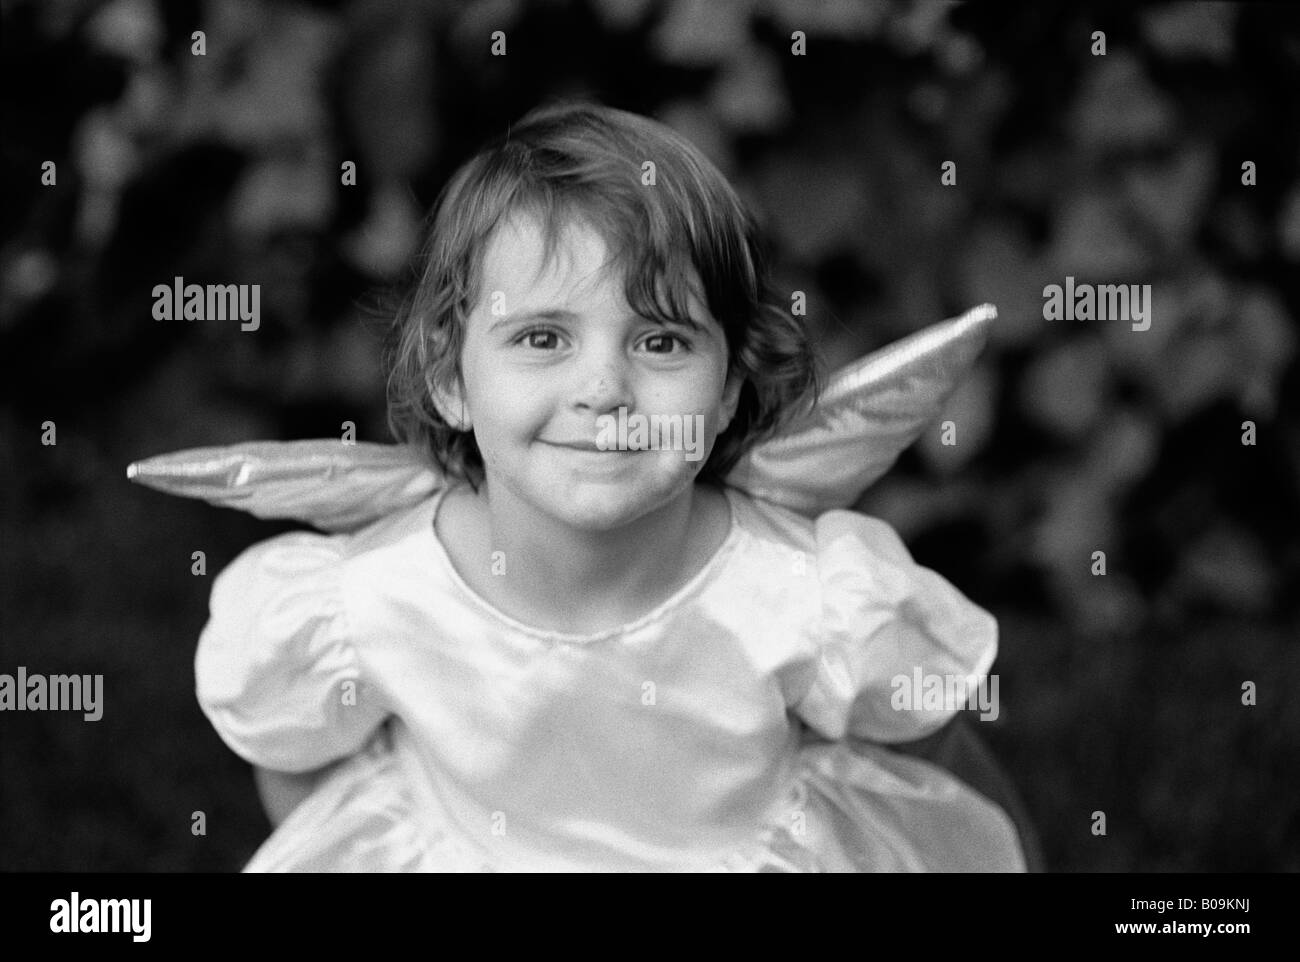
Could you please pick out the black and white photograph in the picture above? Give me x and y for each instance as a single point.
(651, 436)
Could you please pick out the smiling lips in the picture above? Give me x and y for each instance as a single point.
(588, 446)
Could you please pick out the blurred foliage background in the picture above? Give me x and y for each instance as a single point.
(1120, 693)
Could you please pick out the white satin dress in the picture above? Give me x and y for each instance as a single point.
(739, 726)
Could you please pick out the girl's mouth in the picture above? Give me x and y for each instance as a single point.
(576, 445)
(589, 447)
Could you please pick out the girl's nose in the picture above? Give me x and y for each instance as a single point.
(604, 387)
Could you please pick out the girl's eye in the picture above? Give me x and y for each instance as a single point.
(662, 343)
(540, 339)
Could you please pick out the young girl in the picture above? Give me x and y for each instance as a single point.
(585, 654)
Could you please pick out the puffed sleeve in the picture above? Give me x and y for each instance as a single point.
(275, 658)
(890, 631)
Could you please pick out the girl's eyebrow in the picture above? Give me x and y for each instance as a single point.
(563, 314)
(547, 314)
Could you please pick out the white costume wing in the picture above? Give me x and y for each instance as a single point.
(328, 484)
(868, 414)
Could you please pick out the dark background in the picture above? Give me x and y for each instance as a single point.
(1119, 693)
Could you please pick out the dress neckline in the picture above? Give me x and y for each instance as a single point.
(439, 552)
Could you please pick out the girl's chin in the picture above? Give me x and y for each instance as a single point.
(592, 505)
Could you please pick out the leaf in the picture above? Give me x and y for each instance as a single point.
(383, 244)
(836, 18)
(283, 195)
(1188, 31)
(620, 15)
(1124, 448)
(1172, 198)
(815, 201)
(259, 86)
(1228, 567)
(1119, 107)
(128, 28)
(1075, 523)
(997, 262)
(701, 33)
(389, 100)
(1265, 345)
(749, 93)
(1065, 390)
(1196, 374)
(1094, 238)
(1288, 225)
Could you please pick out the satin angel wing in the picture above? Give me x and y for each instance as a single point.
(868, 414)
(324, 483)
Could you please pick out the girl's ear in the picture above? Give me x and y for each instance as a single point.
(449, 400)
(730, 398)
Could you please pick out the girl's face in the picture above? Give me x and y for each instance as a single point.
(547, 353)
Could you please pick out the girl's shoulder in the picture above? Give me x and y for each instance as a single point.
(836, 562)
(768, 522)
(303, 576)
(769, 574)
(847, 582)
(826, 535)
(400, 527)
